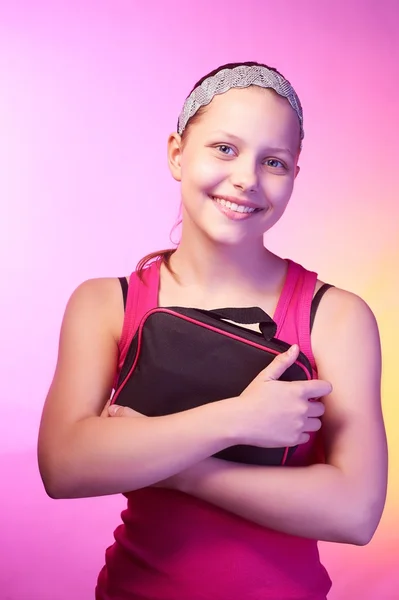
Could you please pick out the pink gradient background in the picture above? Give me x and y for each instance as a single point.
(88, 94)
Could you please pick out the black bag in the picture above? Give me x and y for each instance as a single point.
(181, 358)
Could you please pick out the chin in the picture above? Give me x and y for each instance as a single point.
(224, 236)
(232, 234)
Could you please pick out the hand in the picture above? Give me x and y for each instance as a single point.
(276, 413)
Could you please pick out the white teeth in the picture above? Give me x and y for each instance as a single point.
(233, 206)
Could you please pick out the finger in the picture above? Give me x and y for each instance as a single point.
(312, 425)
(304, 438)
(315, 388)
(122, 411)
(280, 364)
(316, 409)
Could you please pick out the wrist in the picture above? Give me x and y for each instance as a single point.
(189, 480)
(231, 421)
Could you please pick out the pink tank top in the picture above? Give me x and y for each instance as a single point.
(172, 546)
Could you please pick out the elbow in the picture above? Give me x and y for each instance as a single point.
(55, 489)
(54, 485)
(58, 467)
(366, 518)
(55, 479)
(64, 480)
(58, 487)
(366, 530)
(360, 536)
(360, 527)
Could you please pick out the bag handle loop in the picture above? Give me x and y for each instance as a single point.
(246, 316)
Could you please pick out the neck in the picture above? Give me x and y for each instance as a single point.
(221, 266)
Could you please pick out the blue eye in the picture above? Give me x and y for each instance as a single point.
(223, 148)
(274, 163)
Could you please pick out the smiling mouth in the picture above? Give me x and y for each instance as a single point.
(234, 207)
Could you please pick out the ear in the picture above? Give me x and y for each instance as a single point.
(297, 167)
(174, 155)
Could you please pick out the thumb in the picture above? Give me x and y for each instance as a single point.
(280, 364)
(122, 411)
(116, 411)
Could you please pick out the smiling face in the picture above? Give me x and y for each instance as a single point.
(237, 165)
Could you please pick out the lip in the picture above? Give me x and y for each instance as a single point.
(238, 201)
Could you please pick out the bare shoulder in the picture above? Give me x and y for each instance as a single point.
(343, 310)
(98, 299)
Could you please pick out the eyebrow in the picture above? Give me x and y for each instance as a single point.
(235, 138)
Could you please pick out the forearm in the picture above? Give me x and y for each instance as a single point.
(314, 502)
(100, 456)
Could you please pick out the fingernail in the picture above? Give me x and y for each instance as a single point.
(292, 350)
(112, 410)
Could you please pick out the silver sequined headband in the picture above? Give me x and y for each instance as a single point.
(238, 77)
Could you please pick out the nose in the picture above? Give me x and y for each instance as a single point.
(245, 178)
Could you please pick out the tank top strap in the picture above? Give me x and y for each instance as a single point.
(293, 310)
(291, 279)
(142, 296)
(304, 308)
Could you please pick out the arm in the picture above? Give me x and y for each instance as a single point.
(81, 454)
(341, 501)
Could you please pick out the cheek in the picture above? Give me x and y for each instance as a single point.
(202, 174)
(279, 189)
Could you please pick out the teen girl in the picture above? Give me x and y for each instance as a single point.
(197, 527)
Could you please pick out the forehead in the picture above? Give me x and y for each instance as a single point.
(252, 112)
